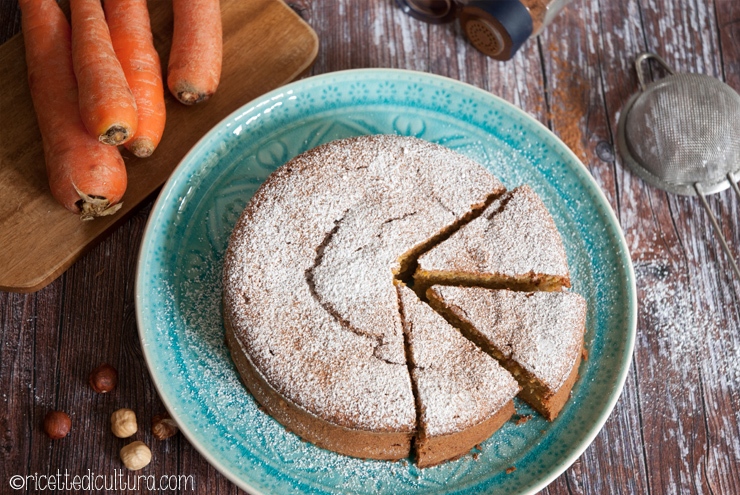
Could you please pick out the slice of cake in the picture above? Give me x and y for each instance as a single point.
(463, 395)
(537, 336)
(514, 244)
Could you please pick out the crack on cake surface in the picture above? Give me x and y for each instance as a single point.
(414, 387)
(441, 203)
(402, 217)
(378, 340)
(388, 222)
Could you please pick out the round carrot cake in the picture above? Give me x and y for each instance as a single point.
(310, 307)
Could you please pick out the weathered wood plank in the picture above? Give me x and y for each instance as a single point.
(583, 62)
(675, 428)
(673, 256)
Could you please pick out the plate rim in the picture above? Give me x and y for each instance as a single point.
(582, 172)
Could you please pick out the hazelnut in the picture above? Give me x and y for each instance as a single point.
(103, 379)
(136, 455)
(123, 423)
(163, 426)
(57, 424)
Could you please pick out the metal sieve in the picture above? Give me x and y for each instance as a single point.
(681, 134)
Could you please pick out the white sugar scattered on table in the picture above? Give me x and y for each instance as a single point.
(683, 328)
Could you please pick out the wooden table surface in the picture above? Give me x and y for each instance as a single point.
(675, 427)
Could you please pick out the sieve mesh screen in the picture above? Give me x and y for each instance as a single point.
(685, 129)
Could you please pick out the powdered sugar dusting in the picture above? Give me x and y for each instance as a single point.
(681, 326)
(457, 384)
(515, 236)
(354, 277)
(541, 331)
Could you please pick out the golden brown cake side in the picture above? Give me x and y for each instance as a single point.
(537, 336)
(430, 451)
(513, 244)
(463, 395)
(547, 402)
(391, 445)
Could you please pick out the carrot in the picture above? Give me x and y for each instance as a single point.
(131, 35)
(85, 176)
(107, 105)
(194, 67)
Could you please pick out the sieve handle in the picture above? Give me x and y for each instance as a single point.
(717, 230)
(733, 182)
(647, 56)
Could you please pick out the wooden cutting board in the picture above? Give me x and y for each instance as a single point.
(266, 45)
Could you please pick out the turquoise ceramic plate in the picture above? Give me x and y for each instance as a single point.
(178, 287)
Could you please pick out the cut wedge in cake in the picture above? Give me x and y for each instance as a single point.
(537, 336)
(463, 395)
(513, 244)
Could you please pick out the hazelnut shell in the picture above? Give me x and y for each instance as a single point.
(103, 379)
(57, 424)
(163, 427)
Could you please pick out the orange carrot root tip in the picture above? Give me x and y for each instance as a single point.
(141, 147)
(95, 206)
(191, 97)
(187, 94)
(115, 135)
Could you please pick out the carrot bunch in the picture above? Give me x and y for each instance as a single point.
(99, 84)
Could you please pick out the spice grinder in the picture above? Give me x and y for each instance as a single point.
(498, 28)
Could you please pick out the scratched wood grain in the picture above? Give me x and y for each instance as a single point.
(675, 427)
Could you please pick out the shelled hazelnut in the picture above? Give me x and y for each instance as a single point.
(136, 455)
(123, 423)
(57, 424)
(103, 379)
(163, 426)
